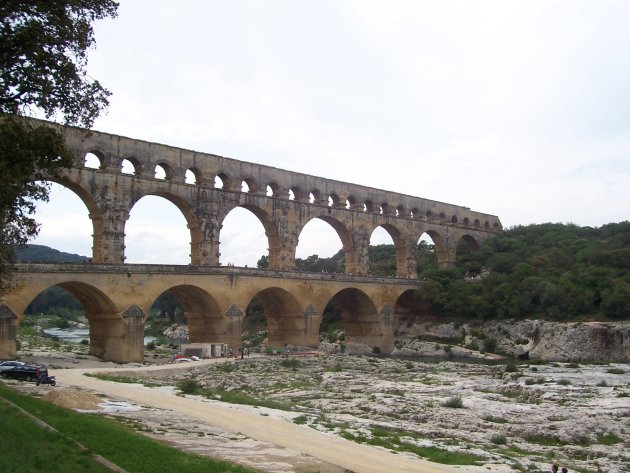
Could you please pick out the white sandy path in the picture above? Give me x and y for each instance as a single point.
(327, 447)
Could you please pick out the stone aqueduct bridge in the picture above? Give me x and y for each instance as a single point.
(117, 296)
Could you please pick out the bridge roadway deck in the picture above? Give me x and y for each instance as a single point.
(165, 269)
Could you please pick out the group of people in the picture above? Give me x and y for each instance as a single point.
(554, 469)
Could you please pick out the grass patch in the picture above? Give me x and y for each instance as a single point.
(496, 420)
(122, 379)
(550, 441)
(564, 382)
(336, 368)
(240, 397)
(608, 439)
(107, 437)
(113, 378)
(391, 439)
(291, 363)
(439, 455)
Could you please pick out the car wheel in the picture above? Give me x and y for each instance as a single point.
(52, 383)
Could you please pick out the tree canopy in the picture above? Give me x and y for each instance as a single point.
(42, 73)
(549, 271)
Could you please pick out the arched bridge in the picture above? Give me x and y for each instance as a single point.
(206, 188)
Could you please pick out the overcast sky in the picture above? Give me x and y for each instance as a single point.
(515, 108)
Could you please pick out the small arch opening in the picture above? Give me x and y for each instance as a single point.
(314, 196)
(192, 176)
(128, 167)
(222, 181)
(350, 202)
(296, 193)
(272, 189)
(161, 171)
(92, 161)
(249, 185)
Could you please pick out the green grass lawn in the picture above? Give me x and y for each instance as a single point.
(26, 447)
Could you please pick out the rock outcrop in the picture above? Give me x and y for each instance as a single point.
(534, 339)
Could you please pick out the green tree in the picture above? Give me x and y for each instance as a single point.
(43, 62)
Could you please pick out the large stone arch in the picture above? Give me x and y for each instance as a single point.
(192, 221)
(405, 250)
(274, 241)
(206, 322)
(471, 241)
(115, 334)
(407, 309)
(443, 250)
(94, 213)
(347, 243)
(286, 320)
(363, 325)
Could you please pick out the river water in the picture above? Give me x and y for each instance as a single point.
(76, 335)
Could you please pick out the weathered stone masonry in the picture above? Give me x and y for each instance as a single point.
(284, 202)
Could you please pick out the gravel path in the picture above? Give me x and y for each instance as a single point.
(278, 431)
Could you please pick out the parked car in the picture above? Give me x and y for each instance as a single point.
(25, 372)
(9, 365)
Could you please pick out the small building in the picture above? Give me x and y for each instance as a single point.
(204, 350)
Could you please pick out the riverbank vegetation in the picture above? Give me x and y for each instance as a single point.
(549, 271)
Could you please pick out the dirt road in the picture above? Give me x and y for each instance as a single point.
(278, 431)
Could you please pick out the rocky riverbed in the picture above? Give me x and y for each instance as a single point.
(525, 416)
(485, 412)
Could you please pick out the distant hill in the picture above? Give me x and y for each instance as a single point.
(45, 254)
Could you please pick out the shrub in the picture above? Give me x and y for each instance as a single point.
(290, 363)
(454, 402)
(490, 345)
(189, 386)
(510, 368)
(151, 345)
(602, 384)
(498, 439)
(300, 420)
(615, 371)
(564, 382)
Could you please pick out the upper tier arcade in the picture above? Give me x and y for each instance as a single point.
(206, 187)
